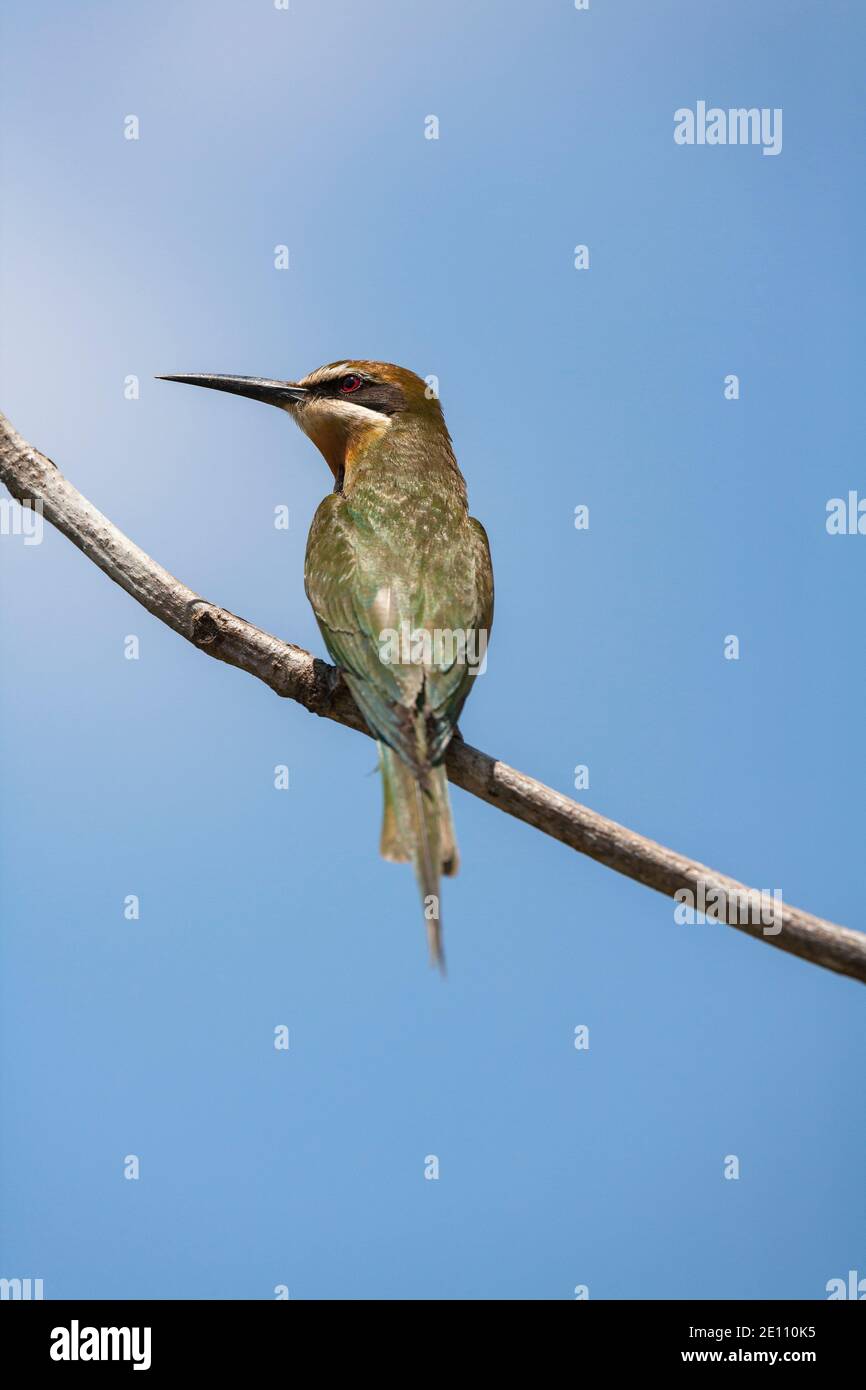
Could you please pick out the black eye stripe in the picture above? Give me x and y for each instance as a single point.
(383, 396)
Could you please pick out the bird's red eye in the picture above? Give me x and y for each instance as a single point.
(349, 383)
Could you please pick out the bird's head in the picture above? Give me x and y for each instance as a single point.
(343, 407)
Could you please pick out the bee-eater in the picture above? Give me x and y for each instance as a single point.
(400, 580)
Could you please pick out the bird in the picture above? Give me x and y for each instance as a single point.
(400, 580)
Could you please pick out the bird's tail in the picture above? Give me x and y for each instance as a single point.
(417, 828)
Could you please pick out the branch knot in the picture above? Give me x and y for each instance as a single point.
(206, 628)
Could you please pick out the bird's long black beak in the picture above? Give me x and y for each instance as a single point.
(258, 388)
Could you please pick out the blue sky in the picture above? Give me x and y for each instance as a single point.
(154, 777)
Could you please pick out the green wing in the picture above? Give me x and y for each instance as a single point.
(447, 687)
(360, 580)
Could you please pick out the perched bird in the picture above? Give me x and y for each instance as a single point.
(400, 580)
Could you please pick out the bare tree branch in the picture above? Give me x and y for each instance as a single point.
(294, 673)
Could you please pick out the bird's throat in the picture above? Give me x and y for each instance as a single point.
(343, 442)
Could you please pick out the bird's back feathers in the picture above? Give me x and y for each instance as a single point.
(397, 553)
